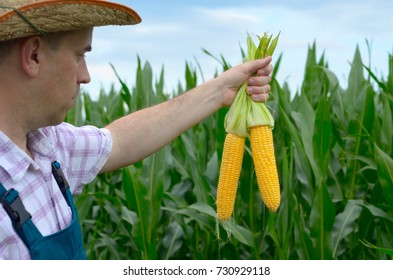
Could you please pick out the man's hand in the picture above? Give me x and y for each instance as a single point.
(256, 73)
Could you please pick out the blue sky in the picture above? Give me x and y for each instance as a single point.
(175, 31)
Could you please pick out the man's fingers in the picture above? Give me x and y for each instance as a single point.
(259, 81)
(265, 71)
(260, 97)
(253, 90)
(258, 65)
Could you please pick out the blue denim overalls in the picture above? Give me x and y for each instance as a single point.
(65, 244)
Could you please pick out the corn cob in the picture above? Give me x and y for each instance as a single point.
(260, 123)
(231, 163)
(248, 118)
(262, 148)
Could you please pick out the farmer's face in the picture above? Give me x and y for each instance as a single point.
(66, 70)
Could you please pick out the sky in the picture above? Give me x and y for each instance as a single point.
(174, 31)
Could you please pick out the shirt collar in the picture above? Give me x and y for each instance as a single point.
(39, 142)
(15, 161)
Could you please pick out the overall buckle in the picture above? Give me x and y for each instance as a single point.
(59, 176)
(14, 207)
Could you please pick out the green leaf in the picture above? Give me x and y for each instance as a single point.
(125, 92)
(379, 83)
(321, 222)
(127, 188)
(322, 137)
(303, 170)
(355, 83)
(84, 203)
(154, 171)
(375, 211)
(383, 250)
(385, 174)
(204, 208)
(302, 239)
(369, 111)
(344, 224)
(212, 168)
(332, 78)
(128, 216)
(136, 194)
(112, 212)
(304, 121)
(386, 129)
(200, 213)
(240, 233)
(111, 245)
(172, 240)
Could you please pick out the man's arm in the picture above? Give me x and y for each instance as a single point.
(144, 132)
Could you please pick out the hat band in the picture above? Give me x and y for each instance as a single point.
(24, 18)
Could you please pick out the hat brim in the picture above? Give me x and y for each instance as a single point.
(63, 15)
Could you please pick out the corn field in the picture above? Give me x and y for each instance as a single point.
(334, 150)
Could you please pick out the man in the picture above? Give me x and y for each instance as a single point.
(43, 160)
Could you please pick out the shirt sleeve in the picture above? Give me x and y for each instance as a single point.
(84, 151)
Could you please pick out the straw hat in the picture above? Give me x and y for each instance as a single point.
(23, 18)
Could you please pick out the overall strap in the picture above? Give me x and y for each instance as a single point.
(3, 190)
(61, 181)
(13, 206)
(20, 217)
(64, 244)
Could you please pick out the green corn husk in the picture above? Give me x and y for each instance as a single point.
(244, 112)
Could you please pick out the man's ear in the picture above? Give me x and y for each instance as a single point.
(29, 55)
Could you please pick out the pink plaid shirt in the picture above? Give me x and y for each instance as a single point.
(82, 152)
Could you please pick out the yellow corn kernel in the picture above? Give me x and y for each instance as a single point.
(262, 148)
(231, 164)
